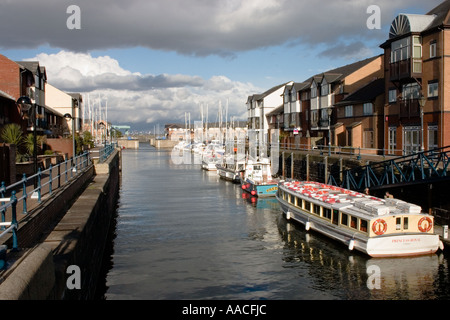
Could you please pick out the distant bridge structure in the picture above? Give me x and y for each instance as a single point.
(422, 167)
(124, 129)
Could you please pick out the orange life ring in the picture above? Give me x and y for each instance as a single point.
(379, 227)
(427, 226)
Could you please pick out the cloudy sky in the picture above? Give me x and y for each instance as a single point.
(155, 60)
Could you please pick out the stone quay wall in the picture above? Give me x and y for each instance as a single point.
(63, 242)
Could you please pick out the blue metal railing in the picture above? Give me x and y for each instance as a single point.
(16, 197)
(420, 166)
(11, 226)
(106, 151)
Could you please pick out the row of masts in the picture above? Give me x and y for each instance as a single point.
(95, 118)
(223, 124)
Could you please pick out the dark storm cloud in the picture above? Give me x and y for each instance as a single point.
(193, 27)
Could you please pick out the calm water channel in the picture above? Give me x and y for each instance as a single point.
(183, 233)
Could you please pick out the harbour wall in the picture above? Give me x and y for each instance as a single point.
(62, 243)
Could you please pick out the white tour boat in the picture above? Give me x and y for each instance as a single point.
(378, 227)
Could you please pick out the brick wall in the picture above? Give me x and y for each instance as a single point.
(10, 77)
(63, 146)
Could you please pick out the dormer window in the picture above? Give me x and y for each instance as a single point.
(313, 90)
(325, 88)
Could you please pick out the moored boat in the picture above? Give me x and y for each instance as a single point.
(257, 179)
(212, 155)
(377, 227)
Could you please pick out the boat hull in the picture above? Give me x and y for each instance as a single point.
(229, 175)
(209, 166)
(259, 190)
(382, 246)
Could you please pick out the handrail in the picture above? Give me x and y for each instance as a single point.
(43, 182)
(404, 169)
(12, 225)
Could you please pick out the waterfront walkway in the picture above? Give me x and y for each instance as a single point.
(67, 226)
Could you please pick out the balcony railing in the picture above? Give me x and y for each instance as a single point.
(405, 69)
(409, 108)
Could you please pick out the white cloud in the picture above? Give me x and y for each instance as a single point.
(143, 98)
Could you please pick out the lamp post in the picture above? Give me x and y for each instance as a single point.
(28, 110)
(329, 112)
(69, 116)
(422, 101)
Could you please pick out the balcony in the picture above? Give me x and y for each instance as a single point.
(409, 108)
(409, 68)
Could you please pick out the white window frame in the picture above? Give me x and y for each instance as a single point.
(392, 140)
(433, 49)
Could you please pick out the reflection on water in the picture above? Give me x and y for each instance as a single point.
(183, 233)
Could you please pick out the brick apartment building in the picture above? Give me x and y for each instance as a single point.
(416, 57)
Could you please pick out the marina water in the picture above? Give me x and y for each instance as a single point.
(183, 233)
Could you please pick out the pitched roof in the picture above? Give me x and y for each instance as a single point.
(260, 96)
(365, 94)
(277, 110)
(442, 14)
(341, 72)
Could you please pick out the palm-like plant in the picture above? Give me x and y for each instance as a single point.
(12, 134)
(29, 142)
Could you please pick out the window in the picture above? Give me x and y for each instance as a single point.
(316, 209)
(417, 54)
(417, 47)
(411, 91)
(363, 226)
(327, 213)
(344, 219)
(398, 223)
(433, 89)
(392, 140)
(307, 206)
(349, 111)
(324, 89)
(433, 49)
(392, 95)
(335, 217)
(353, 222)
(432, 137)
(368, 139)
(313, 90)
(405, 223)
(367, 109)
(400, 50)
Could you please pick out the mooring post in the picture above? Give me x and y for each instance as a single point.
(307, 167)
(292, 165)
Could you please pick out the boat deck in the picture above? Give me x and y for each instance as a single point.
(350, 201)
